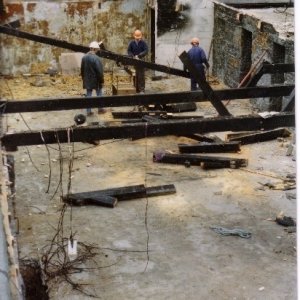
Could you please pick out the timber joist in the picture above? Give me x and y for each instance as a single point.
(145, 129)
(70, 103)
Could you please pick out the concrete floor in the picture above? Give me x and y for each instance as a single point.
(161, 247)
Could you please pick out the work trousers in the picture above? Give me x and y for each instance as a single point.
(194, 83)
(89, 94)
(140, 80)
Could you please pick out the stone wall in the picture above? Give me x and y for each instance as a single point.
(230, 44)
(242, 40)
(113, 22)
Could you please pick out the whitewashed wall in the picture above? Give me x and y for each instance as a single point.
(173, 43)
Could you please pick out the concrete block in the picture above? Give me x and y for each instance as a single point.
(70, 63)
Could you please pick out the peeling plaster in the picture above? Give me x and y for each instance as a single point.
(75, 22)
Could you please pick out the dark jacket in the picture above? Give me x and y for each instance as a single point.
(198, 57)
(140, 49)
(92, 71)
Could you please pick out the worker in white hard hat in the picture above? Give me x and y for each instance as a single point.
(138, 49)
(92, 73)
(198, 58)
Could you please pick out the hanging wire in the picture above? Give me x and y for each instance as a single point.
(49, 162)
(147, 200)
(59, 185)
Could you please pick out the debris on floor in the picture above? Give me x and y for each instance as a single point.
(283, 220)
(110, 197)
(237, 231)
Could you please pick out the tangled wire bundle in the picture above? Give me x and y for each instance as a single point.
(57, 263)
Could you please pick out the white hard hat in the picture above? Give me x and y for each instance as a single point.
(94, 45)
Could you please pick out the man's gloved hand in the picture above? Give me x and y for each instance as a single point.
(136, 57)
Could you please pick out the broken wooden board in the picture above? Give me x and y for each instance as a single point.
(204, 147)
(180, 107)
(260, 136)
(204, 138)
(196, 160)
(110, 197)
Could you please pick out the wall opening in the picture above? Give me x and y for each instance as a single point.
(246, 44)
(277, 78)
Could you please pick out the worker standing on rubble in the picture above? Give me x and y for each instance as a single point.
(138, 49)
(92, 73)
(198, 58)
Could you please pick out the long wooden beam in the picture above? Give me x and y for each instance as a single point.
(34, 105)
(267, 68)
(144, 129)
(102, 53)
(204, 85)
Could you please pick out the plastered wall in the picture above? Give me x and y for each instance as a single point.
(77, 22)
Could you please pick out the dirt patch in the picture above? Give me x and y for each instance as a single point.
(163, 247)
(33, 280)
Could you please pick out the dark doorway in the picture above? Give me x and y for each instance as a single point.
(246, 59)
(277, 78)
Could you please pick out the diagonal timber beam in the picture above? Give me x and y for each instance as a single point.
(290, 105)
(102, 53)
(34, 105)
(267, 68)
(205, 87)
(143, 129)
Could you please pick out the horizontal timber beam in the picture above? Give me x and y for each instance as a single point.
(144, 129)
(125, 60)
(35, 105)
